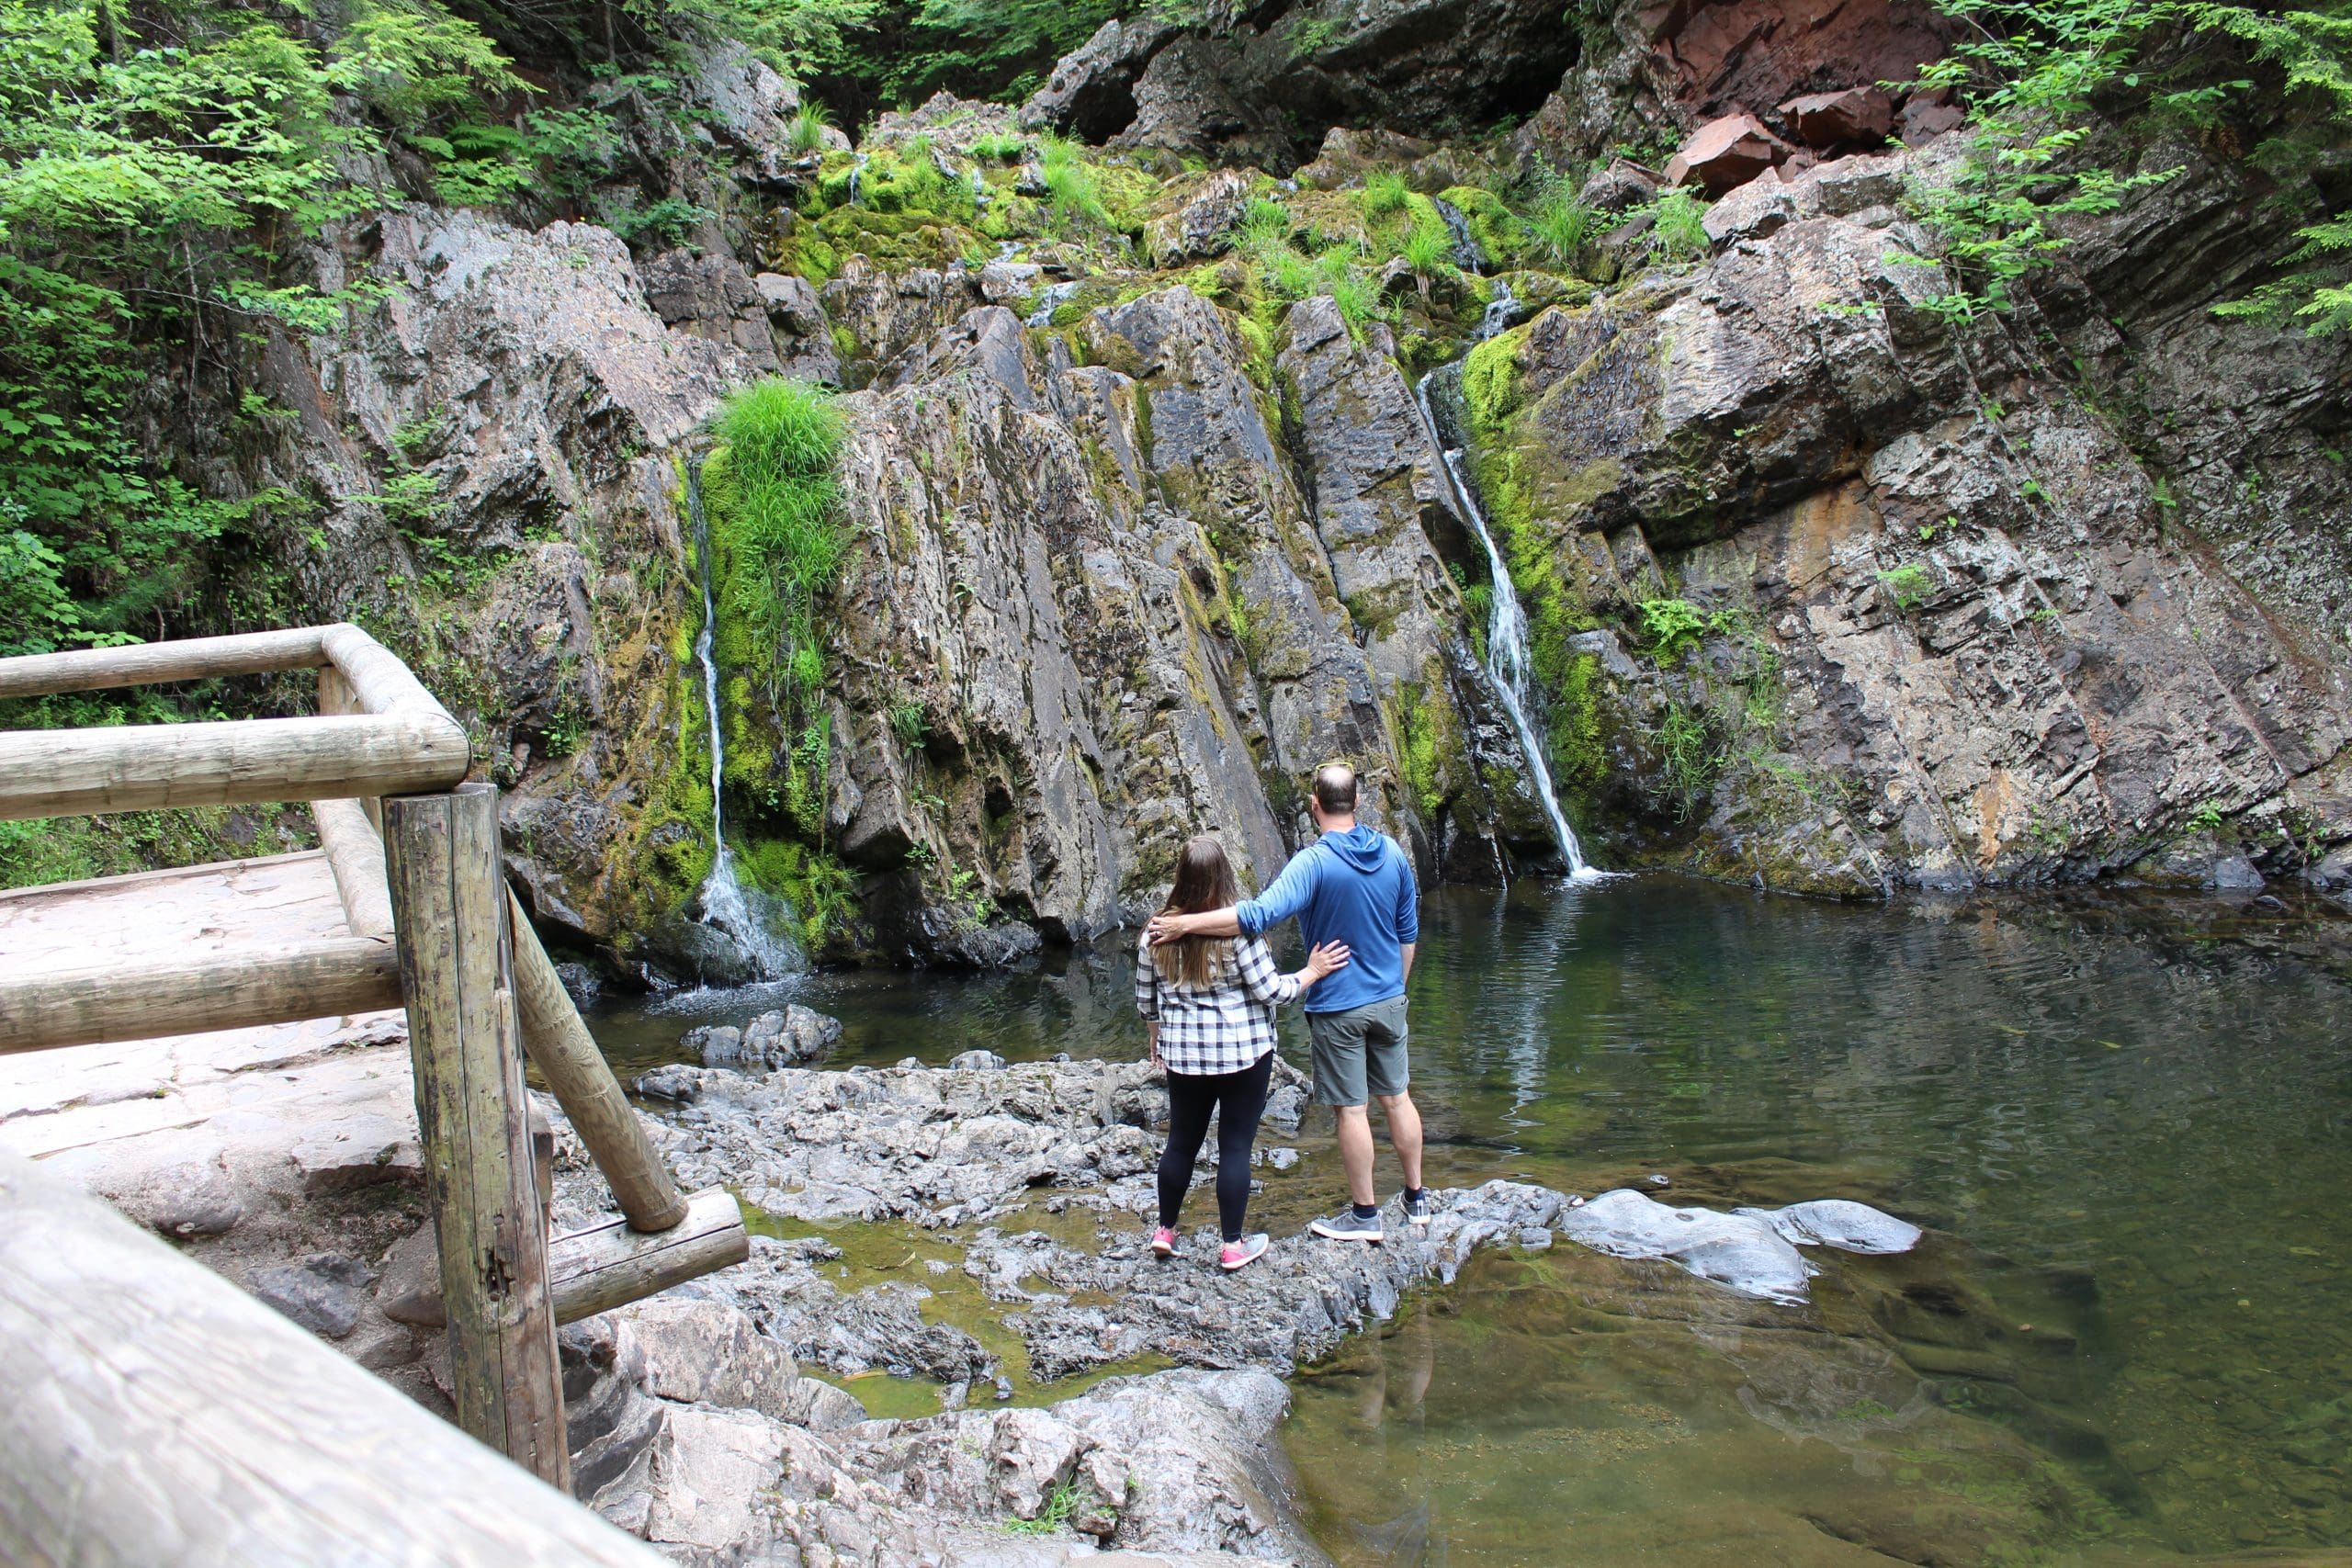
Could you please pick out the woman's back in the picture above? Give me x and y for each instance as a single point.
(1218, 1024)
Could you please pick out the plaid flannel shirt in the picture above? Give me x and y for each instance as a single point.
(1221, 1027)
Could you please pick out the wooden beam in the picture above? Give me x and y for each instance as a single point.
(355, 855)
(336, 697)
(449, 908)
(378, 680)
(604, 1266)
(63, 772)
(140, 1000)
(567, 1057)
(139, 664)
(153, 1413)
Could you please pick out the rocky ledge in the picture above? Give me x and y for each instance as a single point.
(1027, 1188)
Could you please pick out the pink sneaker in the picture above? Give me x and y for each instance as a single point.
(1163, 1242)
(1239, 1254)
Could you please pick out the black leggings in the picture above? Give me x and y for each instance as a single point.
(1239, 1098)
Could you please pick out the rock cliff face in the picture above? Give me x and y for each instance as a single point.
(1824, 590)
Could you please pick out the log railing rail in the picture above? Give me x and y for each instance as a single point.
(429, 926)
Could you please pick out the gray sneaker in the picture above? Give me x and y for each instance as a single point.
(1345, 1227)
(1416, 1207)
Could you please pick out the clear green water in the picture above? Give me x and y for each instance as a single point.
(2126, 1340)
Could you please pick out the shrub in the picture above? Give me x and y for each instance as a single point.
(1679, 224)
(1561, 224)
(772, 503)
(996, 147)
(1428, 248)
(807, 132)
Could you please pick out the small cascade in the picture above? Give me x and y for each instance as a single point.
(724, 908)
(856, 179)
(1507, 655)
(980, 191)
(1468, 254)
(1500, 314)
(1052, 294)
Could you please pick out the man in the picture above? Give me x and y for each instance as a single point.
(1351, 885)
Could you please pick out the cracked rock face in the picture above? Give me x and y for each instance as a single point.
(1954, 638)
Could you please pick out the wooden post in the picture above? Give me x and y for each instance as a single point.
(566, 1057)
(449, 907)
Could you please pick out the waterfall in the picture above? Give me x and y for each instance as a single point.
(1501, 313)
(1507, 655)
(724, 908)
(857, 178)
(1468, 254)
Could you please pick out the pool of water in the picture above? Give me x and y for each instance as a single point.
(2128, 1129)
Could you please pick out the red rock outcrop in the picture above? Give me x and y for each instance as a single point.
(1722, 57)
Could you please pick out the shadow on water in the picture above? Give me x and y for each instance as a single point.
(2124, 1340)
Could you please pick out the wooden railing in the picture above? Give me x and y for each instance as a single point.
(427, 923)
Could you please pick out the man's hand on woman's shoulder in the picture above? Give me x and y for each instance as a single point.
(1166, 928)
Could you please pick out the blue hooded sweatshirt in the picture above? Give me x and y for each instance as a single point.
(1355, 887)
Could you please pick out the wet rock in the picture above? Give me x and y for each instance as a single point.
(1840, 1223)
(324, 1292)
(976, 1061)
(1753, 1251)
(712, 296)
(784, 1037)
(674, 1084)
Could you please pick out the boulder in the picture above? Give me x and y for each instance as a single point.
(1726, 153)
(1619, 186)
(1855, 116)
(1926, 115)
(324, 1292)
(1751, 211)
(784, 1037)
(1204, 226)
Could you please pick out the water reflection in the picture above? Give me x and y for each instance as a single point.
(2128, 1338)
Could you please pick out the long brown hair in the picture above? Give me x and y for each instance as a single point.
(1204, 882)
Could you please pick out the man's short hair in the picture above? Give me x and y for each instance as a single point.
(1335, 789)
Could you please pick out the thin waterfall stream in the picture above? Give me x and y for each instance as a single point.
(724, 908)
(1507, 656)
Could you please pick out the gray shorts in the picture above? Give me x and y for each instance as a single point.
(1358, 1050)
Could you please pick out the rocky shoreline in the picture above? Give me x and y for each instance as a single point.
(1033, 1184)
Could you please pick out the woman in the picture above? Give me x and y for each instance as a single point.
(1210, 1004)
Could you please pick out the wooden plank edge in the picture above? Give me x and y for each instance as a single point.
(153, 1413)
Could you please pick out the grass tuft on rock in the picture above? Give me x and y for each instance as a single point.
(773, 504)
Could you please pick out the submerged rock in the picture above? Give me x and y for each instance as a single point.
(1753, 1251)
